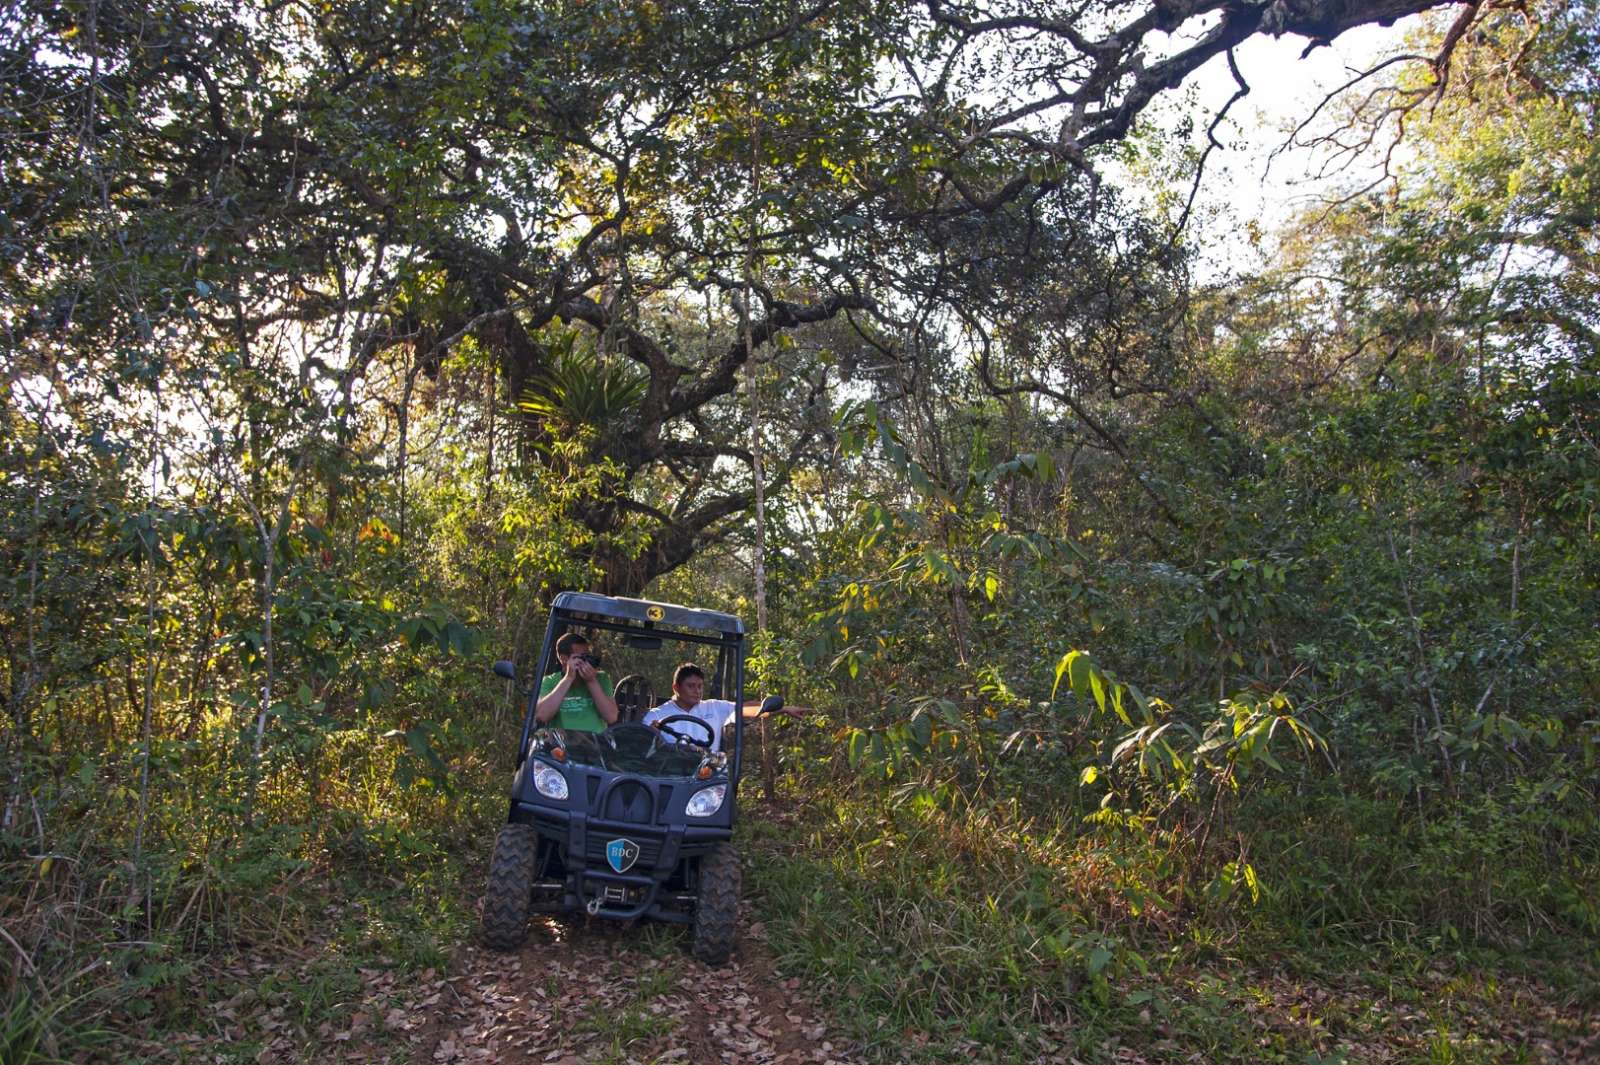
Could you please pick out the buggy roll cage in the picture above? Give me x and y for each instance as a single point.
(570, 611)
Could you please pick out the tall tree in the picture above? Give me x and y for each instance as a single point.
(378, 175)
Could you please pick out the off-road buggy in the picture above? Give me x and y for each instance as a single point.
(635, 821)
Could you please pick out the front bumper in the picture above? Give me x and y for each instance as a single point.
(589, 884)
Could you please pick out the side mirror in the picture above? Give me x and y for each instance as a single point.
(506, 668)
(772, 704)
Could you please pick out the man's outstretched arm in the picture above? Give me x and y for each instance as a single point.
(751, 711)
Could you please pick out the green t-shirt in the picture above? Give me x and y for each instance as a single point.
(577, 708)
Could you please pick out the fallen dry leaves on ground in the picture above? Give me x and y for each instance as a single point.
(578, 994)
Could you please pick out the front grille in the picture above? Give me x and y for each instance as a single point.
(630, 801)
(649, 851)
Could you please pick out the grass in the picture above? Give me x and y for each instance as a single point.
(297, 994)
(281, 939)
(989, 935)
(624, 1029)
(994, 932)
(26, 1036)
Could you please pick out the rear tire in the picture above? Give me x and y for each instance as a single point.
(716, 912)
(509, 892)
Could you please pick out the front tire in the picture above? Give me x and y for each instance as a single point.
(510, 888)
(716, 912)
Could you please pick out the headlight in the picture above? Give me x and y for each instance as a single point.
(706, 801)
(551, 784)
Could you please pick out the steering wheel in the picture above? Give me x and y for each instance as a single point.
(687, 719)
(635, 697)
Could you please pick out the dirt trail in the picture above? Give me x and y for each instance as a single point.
(585, 993)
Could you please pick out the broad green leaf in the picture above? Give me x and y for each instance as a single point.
(921, 730)
(855, 747)
(1062, 668)
(1080, 672)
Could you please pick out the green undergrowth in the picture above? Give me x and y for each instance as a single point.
(984, 933)
(302, 967)
(264, 944)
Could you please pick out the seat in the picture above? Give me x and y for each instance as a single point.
(635, 697)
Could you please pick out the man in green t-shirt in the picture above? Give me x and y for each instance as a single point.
(579, 697)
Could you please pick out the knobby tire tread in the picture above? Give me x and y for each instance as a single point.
(507, 897)
(716, 912)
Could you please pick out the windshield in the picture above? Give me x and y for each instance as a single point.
(630, 749)
(641, 666)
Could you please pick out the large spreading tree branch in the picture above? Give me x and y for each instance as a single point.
(1097, 86)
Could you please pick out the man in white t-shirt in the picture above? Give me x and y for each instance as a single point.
(688, 685)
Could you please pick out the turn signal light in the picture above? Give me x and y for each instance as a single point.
(558, 753)
(705, 772)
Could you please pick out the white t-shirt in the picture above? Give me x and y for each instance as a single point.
(714, 712)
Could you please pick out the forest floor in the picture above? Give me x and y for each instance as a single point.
(578, 992)
(356, 987)
(596, 993)
(819, 977)
(927, 949)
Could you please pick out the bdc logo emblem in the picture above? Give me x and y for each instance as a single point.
(622, 853)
